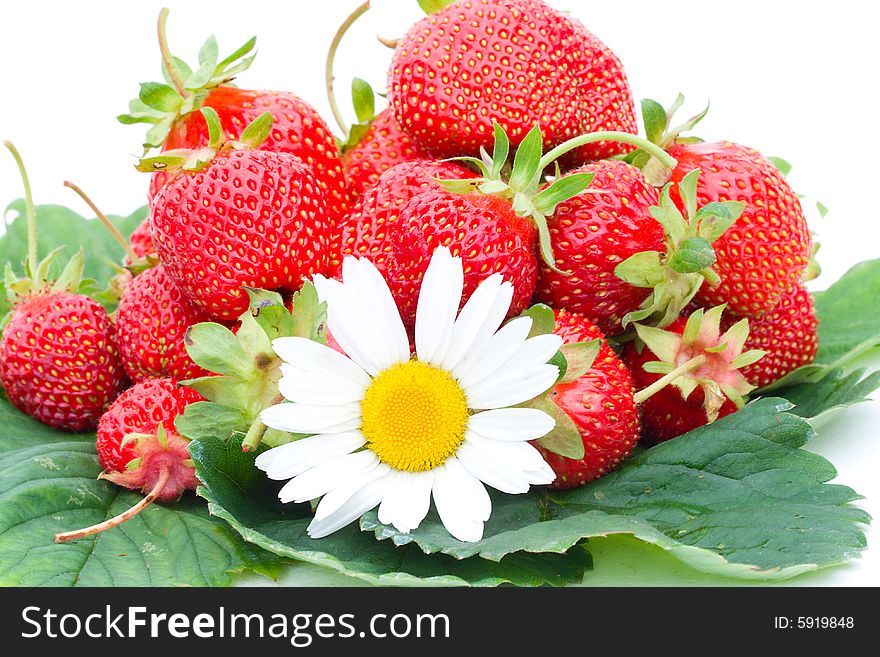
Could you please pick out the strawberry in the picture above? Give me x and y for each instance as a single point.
(690, 374)
(765, 253)
(297, 128)
(382, 146)
(141, 241)
(786, 332)
(234, 216)
(594, 232)
(599, 402)
(58, 357)
(140, 449)
(517, 62)
(151, 320)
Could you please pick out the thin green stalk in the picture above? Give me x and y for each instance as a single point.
(167, 61)
(659, 384)
(30, 213)
(328, 67)
(608, 135)
(104, 220)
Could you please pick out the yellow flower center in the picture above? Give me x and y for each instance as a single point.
(414, 416)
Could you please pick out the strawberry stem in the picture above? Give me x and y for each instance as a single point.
(254, 436)
(608, 135)
(328, 67)
(167, 61)
(30, 213)
(122, 517)
(104, 220)
(661, 383)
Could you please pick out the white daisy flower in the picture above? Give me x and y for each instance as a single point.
(394, 430)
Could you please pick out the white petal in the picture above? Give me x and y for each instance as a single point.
(306, 418)
(364, 499)
(514, 388)
(291, 459)
(476, 366)
(462, 502)
(371, 291)
(512, 424)
(318, 388)
(406, 500)
(520, 456)
(353, 332)
(494, 317)
(471, 320)
(495, 474)
(323, 478)
(336, 498)
(439, 299)
(311, 356)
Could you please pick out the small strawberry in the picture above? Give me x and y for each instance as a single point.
(382, 146)
(172, 110)
(140, 449)
(600, 403)
(234, 217)
(58, 357)
(141, 241)
(594, 232)
(690, 374)
(151, 321)
(786, 332)
(517, 62)
(766, 252)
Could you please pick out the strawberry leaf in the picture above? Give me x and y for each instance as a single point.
(239, 493)
(564, 439)
(738, 498)
(48, 483)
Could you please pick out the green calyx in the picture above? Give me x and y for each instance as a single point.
(701, 357)
(246, 370)
(676, 275)
(37, 273)
(661, 131)
(162, 104)
(433, 6)
(522, 182)
(185, 159)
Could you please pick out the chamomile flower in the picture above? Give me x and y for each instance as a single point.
(394, 430)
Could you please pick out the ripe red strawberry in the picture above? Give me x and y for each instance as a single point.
(243, 218)
(141, 241)
(600, 402)
(382, 146)
(58, 357)
(517, 62)
(140, 449)
(787, 333)
(764, 254)
(372, 225)
(701, 367)
(151, 321)
(594, 232)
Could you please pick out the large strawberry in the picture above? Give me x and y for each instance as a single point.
(591, 234)
(691, 373)
(58, 356)
(765, 253)
(172, 109)
(598, 401)
(151, 321)
(139, 448)
(233, 216)
(517, 62)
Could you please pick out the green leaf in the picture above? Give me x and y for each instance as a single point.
(256, 133)
(500, 151)
(737, 498)
(58, 226)
(526, 161)
(654, 117)
(309, 314)
(217, 349)
(209, 419)
(783, 166)
(363, 99)
(642, 269)
(543, 319)
(579, 357)
(560, 191)
(48, 483)
(239, 493)
(837, 389)
(433, 6)
(160, 96)
(564, 439)
(692, 255)
(238, 54)
(714, 218)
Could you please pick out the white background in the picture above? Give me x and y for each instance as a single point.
(793, 79)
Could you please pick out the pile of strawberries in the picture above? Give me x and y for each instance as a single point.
(686, 258)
